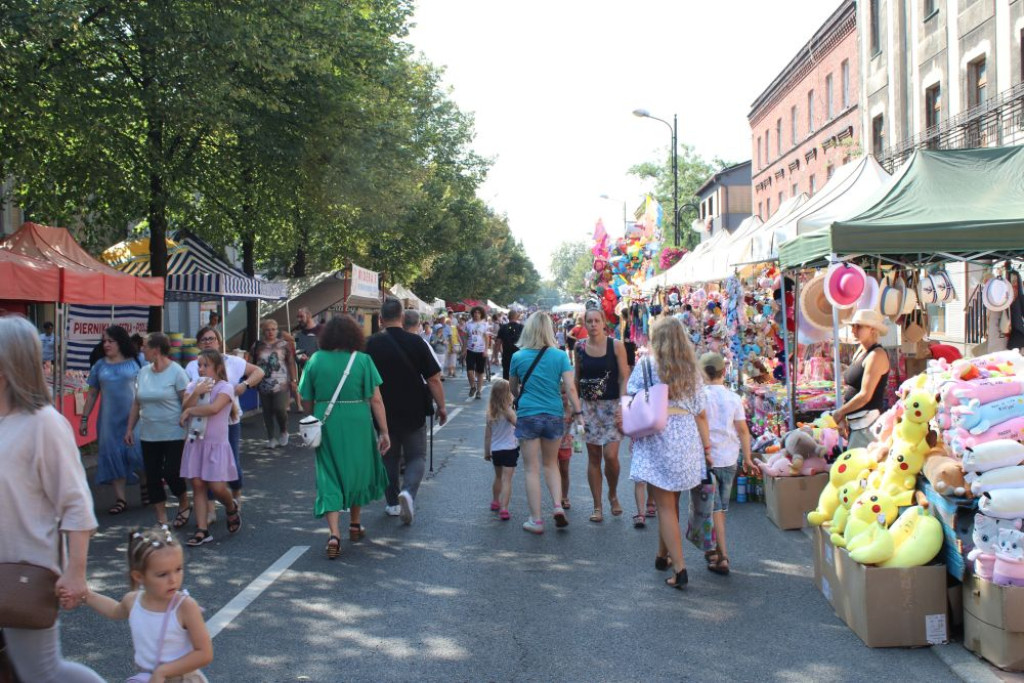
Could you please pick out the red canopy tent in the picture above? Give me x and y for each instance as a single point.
(44, 264)
(83, 279)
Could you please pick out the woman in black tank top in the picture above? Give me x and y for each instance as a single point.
(865, 380)
(601, 376)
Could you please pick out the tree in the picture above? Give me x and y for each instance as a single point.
(570, 263)
(694, 171)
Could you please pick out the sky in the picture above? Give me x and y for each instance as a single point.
(552, 85)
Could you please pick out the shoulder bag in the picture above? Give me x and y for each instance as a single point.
(522, 386)
(28, 596)
(594, 388)
(428, 400)
(310, 428)
(646, 413)
(144, 676)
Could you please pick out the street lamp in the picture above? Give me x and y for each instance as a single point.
(625, 223)
(674, 127)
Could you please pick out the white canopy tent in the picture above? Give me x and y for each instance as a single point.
(411, 300)
(495, 308)
(753, 248)
(570, 307)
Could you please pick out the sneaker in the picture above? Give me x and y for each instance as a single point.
(392, 510)
(271, 443)
(472, 390)
(478, 396)
(561, 521)
(504, 516)
(534, 526)
(495, 506)
(283, 439)
(408, 508)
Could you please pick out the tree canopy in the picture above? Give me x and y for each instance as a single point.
(310, 134)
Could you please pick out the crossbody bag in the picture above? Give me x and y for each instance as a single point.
(310, 428)
(522, 386)
(594, 388)
(428, 400)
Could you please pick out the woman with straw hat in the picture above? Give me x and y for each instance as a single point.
(865, 379)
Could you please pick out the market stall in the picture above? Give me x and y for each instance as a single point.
(40, 253)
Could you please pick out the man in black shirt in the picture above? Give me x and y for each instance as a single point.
(508, 335)
(405, 363)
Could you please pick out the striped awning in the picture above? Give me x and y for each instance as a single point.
(195, 272)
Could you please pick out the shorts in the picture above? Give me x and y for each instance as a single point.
(540, 427)
(565, 454)
(508, 458)
(723, 478)
(599, 419)
(475, 362)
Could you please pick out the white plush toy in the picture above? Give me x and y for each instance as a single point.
(1002, 503)
(993, 454)
(986, 536)
(1009, 565)
(999, 478)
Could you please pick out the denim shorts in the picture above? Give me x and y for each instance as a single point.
(540, 427)
(724, 478)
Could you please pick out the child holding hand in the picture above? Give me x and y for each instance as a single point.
(168, 632)
(500, 446)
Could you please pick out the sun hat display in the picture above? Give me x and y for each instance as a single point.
(890, 299)
(844, 283)
(870, 318)
(909, 300)
(996, 294)
(869, 297)
(927, 291)
(944, 290)
(806, 333)
(814, 306)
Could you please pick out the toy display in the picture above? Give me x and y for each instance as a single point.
(850, 466)
(1008, 569)
(917, 538)
(985, 536)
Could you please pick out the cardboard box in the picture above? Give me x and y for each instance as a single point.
(826, 575)
(894, 607)
(994, 622)
(789, 499)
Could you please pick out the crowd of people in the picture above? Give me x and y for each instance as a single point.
(180, 428)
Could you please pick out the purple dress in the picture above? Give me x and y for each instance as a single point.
(210, 458)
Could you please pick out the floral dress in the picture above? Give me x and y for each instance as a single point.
(673, 459)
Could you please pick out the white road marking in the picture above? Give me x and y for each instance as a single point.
(238, 603)
(451, 416)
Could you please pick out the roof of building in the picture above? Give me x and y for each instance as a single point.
(728, 170)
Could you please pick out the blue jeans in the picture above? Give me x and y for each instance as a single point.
(723, 478)
(540, 427)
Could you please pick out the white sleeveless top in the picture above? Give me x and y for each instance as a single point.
(503, 435)
(146, 627)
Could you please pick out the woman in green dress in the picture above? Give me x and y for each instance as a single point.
(349, 469)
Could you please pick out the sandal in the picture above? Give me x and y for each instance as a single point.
(118, 507)
(661, 563)
(200, 537)
(356, 532)
(181, 519)
(598, 515)
(616, 508)
(679, 580)
(652, 510)
(711, 557)
(721, 566)
(333, 547)
(566, 504)
(639, 521)
(234, 519)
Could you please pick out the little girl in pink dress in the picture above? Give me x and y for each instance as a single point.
(208, 460)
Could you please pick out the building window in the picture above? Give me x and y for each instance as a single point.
(878, 135)
(767, 148)
(977, 80)
(874, 26)
(932, 106)
(795, 189)
(829, 113)
(778, 137)
(792, 120)
(845, 75)
(759, 151)
(760, 215)
(829, 170)
(711, 205)
(768, 206)
(810, 111)
(813, 184)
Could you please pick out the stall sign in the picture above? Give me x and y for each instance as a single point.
(364, 283)
(87, 323)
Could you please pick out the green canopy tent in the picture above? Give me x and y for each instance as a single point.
(965, 204)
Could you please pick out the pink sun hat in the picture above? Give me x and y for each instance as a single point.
(844, 284)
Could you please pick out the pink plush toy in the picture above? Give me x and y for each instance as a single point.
(963, 441)
(960, 392)
(986, 536)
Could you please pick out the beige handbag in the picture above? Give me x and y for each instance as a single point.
(915, 329)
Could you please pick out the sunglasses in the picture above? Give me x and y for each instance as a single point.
(207, 339)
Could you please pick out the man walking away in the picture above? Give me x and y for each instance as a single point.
(508, 335)
(405, 363)
(306, 335)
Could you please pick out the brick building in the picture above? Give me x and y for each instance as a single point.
(807, 122)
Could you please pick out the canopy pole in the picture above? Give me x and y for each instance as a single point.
(287, 315)
(224, 322)
(836, 367)
(790, 384)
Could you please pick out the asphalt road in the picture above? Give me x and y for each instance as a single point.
(462, 596)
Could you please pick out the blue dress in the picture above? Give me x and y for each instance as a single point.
(116, 384)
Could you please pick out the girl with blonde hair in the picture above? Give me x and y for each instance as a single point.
(500, 446)
(674, 459)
